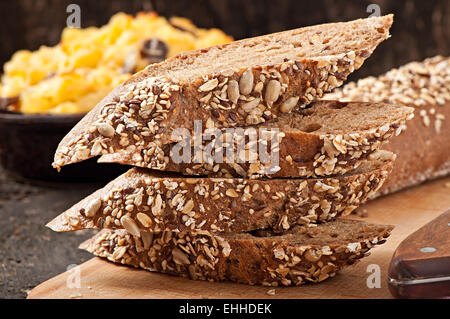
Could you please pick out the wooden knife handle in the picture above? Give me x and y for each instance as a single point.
(420, 266)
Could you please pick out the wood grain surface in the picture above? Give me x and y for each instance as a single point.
(407, 210)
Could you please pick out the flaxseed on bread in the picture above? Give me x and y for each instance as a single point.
(329, 138)
(141, 200)
(424, 149)
(300, 255)
(241, 83)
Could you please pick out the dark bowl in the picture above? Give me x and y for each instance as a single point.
(28, 143)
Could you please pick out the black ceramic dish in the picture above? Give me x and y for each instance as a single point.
(28, 143)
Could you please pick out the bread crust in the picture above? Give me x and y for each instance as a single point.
(143, 201)
(286, 259)
(423, 153)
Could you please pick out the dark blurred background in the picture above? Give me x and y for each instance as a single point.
(421, 28)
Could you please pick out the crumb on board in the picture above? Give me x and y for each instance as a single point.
(271, 292)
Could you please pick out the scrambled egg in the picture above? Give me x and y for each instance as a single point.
(75, 75)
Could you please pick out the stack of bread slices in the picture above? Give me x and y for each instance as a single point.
(248, 219)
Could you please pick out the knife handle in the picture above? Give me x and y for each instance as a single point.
(420, 266)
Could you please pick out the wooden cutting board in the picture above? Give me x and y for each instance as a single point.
(407, 210)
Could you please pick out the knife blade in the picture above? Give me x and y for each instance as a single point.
(420, 266)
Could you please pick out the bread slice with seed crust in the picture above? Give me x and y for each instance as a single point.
(329, 138)
(241, 83)
(298, 256)
(141, 200)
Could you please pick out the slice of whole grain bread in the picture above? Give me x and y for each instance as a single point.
(298, 256)
(142, 200)
(326, 139)
(241, 83)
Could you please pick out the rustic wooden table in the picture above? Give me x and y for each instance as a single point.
(29, 252)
